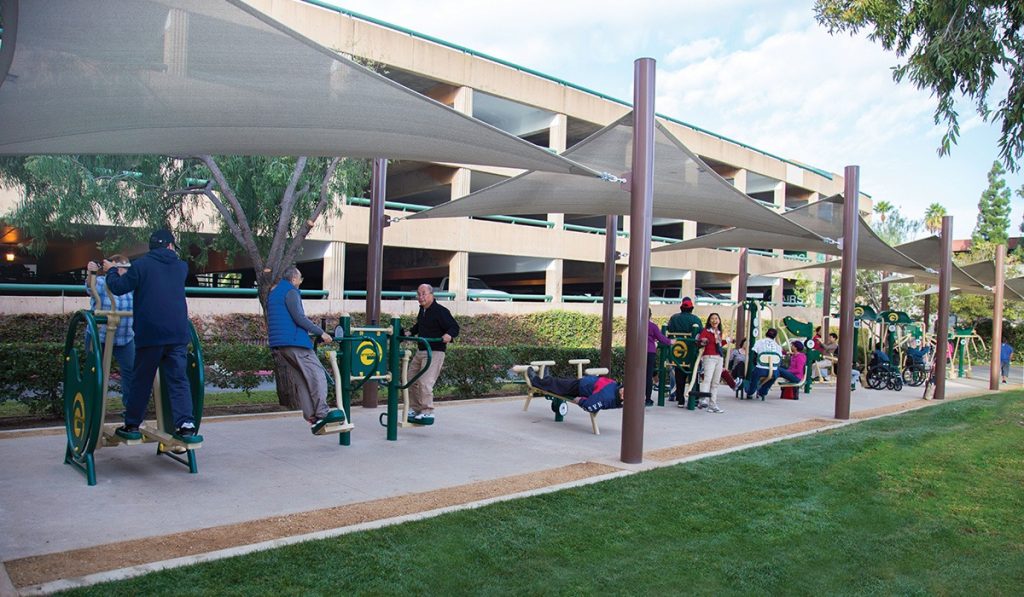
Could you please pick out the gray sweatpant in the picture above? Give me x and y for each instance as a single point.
(310, 387)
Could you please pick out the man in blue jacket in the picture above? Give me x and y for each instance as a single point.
(161, 334)
(290, 330)
(590, 392)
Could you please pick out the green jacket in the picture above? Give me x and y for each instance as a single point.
(685, 323)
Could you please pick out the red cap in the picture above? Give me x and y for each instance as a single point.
(687, 302)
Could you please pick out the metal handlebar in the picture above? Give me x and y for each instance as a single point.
(430, 356)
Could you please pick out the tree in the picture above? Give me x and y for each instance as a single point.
(951, 48)
(263, 208)
(993, 210)
(894, 230)
(883, 209)
(933, 218)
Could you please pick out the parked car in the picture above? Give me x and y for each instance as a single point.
(478, 290)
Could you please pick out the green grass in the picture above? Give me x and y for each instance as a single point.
(929, 502)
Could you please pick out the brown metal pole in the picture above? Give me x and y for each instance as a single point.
(611, 230)
(997, 319)
(847, 290)
(641, 205)
(927, 311)
(826, 306)
(942, 312)
(741, 295)
(375, 260)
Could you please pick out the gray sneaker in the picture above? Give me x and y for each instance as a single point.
(716, 410)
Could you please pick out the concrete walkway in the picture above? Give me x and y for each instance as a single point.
(261, 467)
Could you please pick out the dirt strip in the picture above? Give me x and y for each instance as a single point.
(732, 441)
(112, 556)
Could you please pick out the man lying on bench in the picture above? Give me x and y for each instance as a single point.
(590, 392)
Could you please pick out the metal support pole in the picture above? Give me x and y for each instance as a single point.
(942, 312)
(611, 229)
(997, 319)
(927, 311)
(375, 260)
(847, 290)
(641, 205)
(741, 295)
(826, 305)
(884, 303)
(344, 363)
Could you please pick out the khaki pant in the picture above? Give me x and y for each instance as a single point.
(310, 382)
(712, 373)
(421, 394)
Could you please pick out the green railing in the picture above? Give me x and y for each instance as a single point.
(592, 230)
(399, 294)
(582, 298)
(413, 207)
(79, 289)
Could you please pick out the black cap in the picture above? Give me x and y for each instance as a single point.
(160, 238)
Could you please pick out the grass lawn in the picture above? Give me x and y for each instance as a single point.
(929, 502)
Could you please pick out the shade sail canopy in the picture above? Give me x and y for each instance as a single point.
(983, 272)
(1016, 284)
(188, 77)
(824, 218)
(684, 188)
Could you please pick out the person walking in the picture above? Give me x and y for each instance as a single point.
(161, 334)
(289, 331)
(432, 321)
(1005, 354)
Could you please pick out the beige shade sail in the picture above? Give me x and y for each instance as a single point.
(982, 271)
(189, 77)
(684, 188)
(824, 218)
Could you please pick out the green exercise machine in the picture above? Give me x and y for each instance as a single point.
(681, 354)
(86, 377)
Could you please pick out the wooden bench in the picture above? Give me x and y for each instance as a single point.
(559, 404)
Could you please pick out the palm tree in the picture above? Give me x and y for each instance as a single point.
(933, 217)
(883, 208)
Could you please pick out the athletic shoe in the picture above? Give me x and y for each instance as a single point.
(648, 402)
(129, 432)
(422, 419)
(187, 433)
(716, 410)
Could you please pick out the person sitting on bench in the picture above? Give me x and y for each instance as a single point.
(590, 392)
(762, 346)
(797, 363)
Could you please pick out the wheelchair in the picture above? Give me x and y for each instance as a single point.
(914, 373)
(884, 375)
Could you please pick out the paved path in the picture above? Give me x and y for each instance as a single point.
(253, 468)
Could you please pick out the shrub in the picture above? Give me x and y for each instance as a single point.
(237, 366)
(474, 370)
(33, 373)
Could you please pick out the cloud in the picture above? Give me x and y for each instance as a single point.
(693, 51)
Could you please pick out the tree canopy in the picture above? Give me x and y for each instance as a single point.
(952, 48)
(993, 210)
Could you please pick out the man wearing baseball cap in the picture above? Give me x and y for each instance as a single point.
(687, 324)
(161, 334)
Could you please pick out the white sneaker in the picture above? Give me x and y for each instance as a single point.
(715, 409)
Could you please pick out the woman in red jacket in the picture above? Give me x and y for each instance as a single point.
(711, 359)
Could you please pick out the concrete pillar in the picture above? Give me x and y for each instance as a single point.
(553, 280)
(334, 270)
(458, 275)
(557, 140)
(778, 286)
(739, 180)
(689, 284)
(689, 229)
(779, 199)
(624, 283)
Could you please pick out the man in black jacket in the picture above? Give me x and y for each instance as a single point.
(161, 333)
(433, 321)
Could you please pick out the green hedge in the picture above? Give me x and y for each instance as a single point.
(33, 373)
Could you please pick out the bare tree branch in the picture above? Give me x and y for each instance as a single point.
(284, 223)
(246, 236)
(246, 241)
(325, 198)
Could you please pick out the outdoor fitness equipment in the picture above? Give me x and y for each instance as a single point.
(373, 353)
(758, 312)
(682, 353)
(86, 377)
(803, 331)
(864, 334)
(559, 404)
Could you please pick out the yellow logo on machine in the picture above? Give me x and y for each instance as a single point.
(78, 416)
(858, 311)
(368, 351)
(679, 350)
(894, 317)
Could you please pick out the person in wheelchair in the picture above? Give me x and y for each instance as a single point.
(879, 359)
(882, 372)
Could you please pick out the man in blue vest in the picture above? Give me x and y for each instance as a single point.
(161, 334)
(290, 344)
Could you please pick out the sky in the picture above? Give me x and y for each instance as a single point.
(762, 72)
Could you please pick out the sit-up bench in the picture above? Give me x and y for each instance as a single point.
(559, 404)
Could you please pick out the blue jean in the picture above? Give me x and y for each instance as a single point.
(788, 375)
(171, 359)
(125, 356)
(760, 372)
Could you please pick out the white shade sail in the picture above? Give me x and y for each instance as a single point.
(684, 188)
(983, 271)
(189, 77)
(824, 218)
